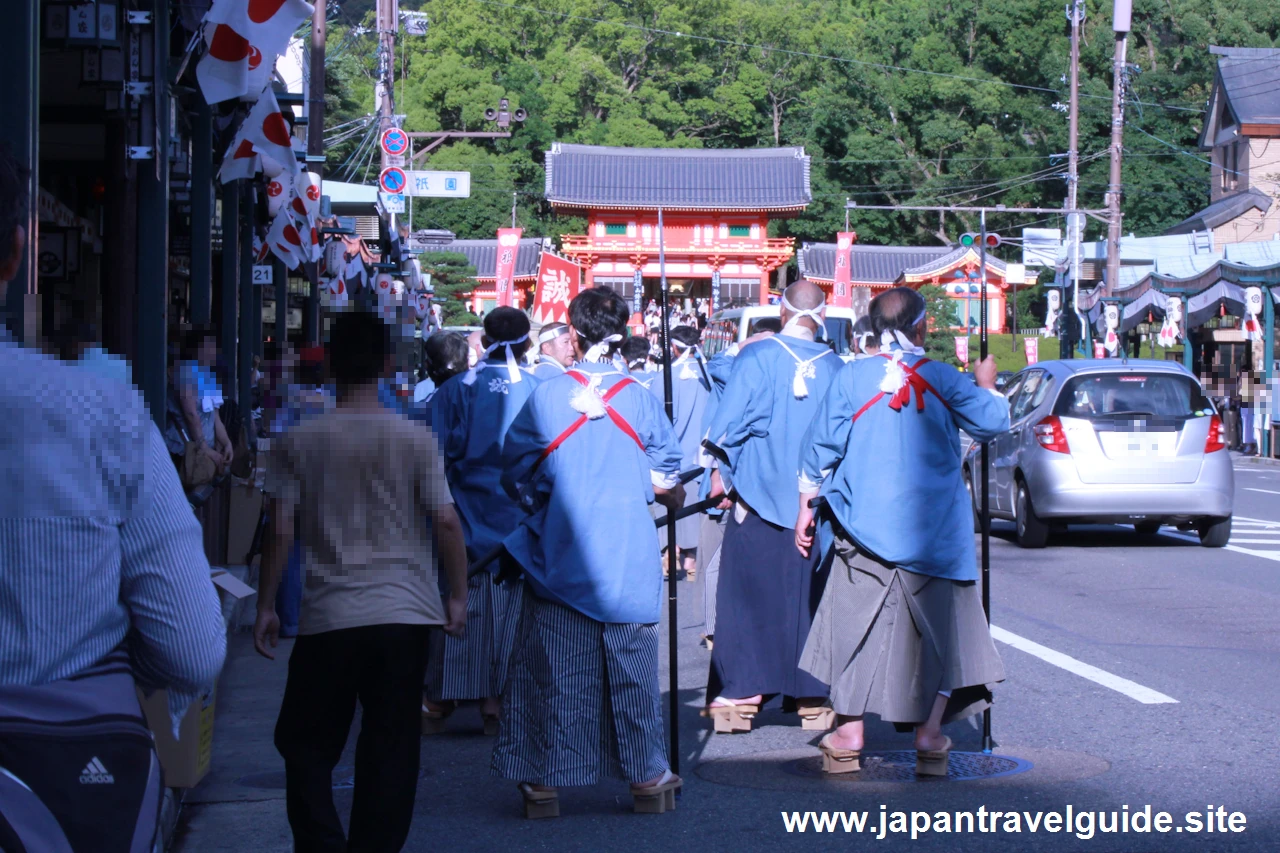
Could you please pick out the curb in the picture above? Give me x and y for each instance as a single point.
(1256, 461)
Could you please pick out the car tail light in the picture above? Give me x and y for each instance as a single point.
(1214, 441)
(1050, 435)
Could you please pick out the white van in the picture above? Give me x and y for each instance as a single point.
(733, 325)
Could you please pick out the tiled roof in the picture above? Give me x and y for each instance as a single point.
(950, 257)
(583, 176)
(1251, 77)
(881, 264)
(1224, 210)
(483, 255)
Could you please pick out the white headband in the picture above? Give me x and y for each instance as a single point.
(815, 314)
(552, 334)
(513, 367)
(889, 337)
(597, 349)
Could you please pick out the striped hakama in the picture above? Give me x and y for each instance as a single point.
(766, 598)
(582, 701)
(474, 666)
(888, 641)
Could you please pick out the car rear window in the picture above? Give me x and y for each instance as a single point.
(1102, 395)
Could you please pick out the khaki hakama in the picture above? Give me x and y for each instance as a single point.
(889, 640)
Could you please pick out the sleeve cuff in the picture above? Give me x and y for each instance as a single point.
(663, 480)
(807, 486)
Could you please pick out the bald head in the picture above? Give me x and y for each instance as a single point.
(803, 295)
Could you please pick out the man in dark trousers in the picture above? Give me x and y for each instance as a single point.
(371, 498)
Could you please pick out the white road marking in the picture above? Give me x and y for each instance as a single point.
(1264, 491)
(1187, 537)
(1132, 689)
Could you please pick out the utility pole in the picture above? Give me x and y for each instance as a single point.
(1123, 12)
(1075, 14)
(388, 23)
(315, 148)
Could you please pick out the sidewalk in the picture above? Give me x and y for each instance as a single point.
(735, 785)
(456, 795)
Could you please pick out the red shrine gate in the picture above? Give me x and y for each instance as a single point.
(716, 206)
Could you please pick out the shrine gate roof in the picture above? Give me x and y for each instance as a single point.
(881, 264)
(483, 255)
(597, 176)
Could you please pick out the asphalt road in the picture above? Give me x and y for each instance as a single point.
(1142, 671)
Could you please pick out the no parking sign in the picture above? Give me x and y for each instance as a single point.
(392, 180)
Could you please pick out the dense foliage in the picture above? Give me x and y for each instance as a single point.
(451, 276)
(825, 75)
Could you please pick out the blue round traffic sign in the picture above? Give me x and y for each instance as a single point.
(395, 141)
(392, 180)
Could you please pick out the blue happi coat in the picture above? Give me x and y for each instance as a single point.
(690, 390)
(547, 368)
(588, 541)
(759, 421)
(892, 478)
(471, 422)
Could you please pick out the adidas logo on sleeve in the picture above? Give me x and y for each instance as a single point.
(94, 773)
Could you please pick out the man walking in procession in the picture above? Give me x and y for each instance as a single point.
(767, 592)
(471, 417)
(690, 389)
(586, 456)
(900, 631)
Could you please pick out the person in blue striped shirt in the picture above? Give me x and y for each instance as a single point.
(103, 576)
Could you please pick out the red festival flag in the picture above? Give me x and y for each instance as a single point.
(841, 287)
(558, 282)
(962, 349)
(1032, 348)
(504, 274)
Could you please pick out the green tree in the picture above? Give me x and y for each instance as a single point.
(940, 345)
(986, 125)
(452, 276)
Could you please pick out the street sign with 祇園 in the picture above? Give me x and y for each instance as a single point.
(392, 180)
(431, 184)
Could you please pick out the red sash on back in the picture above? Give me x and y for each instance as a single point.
(902, 396)
(617, 419)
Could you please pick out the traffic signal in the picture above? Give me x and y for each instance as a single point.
(974, 241)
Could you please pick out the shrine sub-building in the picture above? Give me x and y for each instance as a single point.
(716, 207)
(875, 269)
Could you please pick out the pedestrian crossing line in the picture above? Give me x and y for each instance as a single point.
(1132, 689)
(1264, 491)
(1231, 546)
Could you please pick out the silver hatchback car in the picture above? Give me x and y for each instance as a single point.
(1108, 441)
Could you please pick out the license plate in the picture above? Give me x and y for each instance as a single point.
(1118, 445)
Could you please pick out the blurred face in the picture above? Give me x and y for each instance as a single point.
(560, 348)
(207, 354)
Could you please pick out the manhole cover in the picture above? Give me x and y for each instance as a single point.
(900, 766)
